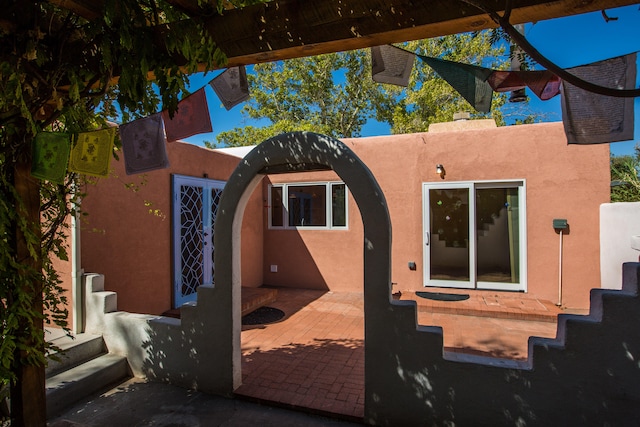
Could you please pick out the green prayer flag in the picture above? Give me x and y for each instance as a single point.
(92, 152)
(470, 81)
(50, 154)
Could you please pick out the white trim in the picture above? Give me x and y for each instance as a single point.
(520, 184)
(328, 206)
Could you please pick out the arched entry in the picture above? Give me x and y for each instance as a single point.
(292, 152)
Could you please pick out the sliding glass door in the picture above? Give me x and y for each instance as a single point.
(474, 235)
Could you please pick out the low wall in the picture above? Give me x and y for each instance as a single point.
(619, 224)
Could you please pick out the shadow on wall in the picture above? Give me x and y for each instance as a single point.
(295, 266)
(588, 375)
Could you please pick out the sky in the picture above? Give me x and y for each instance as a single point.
(569, 42)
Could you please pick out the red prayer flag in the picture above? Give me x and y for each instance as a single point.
(191, 118)
(543, 83)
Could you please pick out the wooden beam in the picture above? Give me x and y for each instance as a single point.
(287, 29)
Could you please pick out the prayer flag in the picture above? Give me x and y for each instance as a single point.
(392, 65)
(470, 81)
(92, 152)
(543, 83)
(144, 145)
(191, 117)
(590, 118)
(50, 155)
(231, 86)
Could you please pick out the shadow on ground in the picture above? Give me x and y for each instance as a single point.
(325, 376)
(139, 403)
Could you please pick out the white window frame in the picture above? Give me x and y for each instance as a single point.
(328, 206)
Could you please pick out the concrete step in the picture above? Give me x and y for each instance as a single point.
(90, 377)
(254, 298)
(73, 351)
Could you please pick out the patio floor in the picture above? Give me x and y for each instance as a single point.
(314, 357)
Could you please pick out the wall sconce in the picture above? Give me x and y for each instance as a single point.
(440, 171)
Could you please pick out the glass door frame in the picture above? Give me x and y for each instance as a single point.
(472, 186)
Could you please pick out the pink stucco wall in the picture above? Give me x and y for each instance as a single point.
(562, 181)
(132, 247)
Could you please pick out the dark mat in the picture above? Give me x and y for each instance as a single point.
(263, 316)
(439, 296)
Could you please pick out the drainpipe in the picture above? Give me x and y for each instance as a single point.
(76, 270)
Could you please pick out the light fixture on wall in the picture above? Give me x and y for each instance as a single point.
(440, 170)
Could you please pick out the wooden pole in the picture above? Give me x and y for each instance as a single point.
(28, 398)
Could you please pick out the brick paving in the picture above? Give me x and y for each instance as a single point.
(314, 357)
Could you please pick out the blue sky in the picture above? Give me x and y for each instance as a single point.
(569, 42)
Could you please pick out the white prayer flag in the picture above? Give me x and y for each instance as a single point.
(590, 118)
(232, 86)
(392, 65)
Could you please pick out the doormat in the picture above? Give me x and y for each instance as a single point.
(263, 316)
(438, 296)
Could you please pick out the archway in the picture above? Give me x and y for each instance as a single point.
(292, 152)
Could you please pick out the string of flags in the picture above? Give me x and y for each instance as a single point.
(588, 118)
(143, 140)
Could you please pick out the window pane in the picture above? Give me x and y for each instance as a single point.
(498, 235)
(339, 211)
(276, 207)
(307, 205)
(449, 231)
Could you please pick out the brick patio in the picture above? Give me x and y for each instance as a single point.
(314, 357)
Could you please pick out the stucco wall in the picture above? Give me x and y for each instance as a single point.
(132, 248)
(618, 223)
(562, 181)
(314, 259)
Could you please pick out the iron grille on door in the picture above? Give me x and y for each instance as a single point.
(195, 204)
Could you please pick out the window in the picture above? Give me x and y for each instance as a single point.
(308, 205)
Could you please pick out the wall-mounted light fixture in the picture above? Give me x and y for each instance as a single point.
(440, 171)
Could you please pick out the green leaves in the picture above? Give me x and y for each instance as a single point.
(625, 177)
(57, 73)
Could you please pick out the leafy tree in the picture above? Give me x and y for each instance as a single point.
(335, 95)
(328, 94)
(625, 177)
(429, 98)
(57, 70)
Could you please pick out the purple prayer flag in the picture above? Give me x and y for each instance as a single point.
(144, 145)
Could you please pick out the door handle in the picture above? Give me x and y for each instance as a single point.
(428, 238)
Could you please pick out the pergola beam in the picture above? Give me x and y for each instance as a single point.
(297, 28)
(286, 29)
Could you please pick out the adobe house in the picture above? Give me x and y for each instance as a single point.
(408, 379)
(484, 223)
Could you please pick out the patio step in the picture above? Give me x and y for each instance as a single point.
(73, 351)
(251, 300)
(83, 367)
(489, 305)
(254, 298)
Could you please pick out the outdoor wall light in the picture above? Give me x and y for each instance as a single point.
(440, 171)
